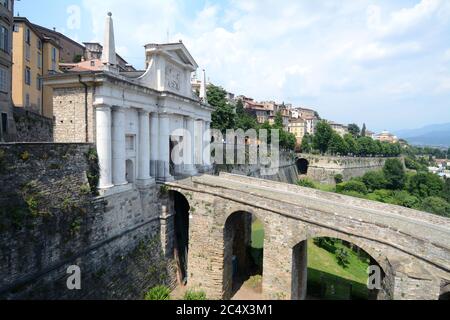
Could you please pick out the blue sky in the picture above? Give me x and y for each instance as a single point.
(382, 62)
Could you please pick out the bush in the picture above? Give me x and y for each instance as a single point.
(374, 180)
(158, 293)
(306, 183)
(395, 174)
(437, 206)
(405, 199)
(255, 281)
(425, 184)
(339, 178)
(352, 186)
(194, 295)
(342, 257)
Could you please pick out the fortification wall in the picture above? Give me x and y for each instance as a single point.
(32, 127)
(285, 171)
(50, 220)
(323, 169)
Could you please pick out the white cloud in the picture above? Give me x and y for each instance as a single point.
(302, 52)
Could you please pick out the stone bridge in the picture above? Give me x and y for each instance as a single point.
(411, 247)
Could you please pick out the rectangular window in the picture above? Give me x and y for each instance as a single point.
(27, 100)
(38, 82)
(4, 123)
(27, 52)
(39, 60)
(16, 27)
(39, 44)
(28, 36)
(4, 85)
(54, 59)
(27, 76)
(4, 39)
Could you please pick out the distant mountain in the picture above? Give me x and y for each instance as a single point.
(437, 135)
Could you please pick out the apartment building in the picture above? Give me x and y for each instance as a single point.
(35, 56)
(7, 126)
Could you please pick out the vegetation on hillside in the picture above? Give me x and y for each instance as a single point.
(228, 116)
(419, 190)
(327, 141)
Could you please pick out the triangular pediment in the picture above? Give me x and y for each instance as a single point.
(176, 51)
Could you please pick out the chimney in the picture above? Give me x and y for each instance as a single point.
(109, 59)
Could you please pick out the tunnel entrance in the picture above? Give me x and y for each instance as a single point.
(333, 269)
(181, 241)
(302, 166)
(243, 256)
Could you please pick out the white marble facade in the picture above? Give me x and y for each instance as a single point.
(140, 117)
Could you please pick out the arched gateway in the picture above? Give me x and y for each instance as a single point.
(412, 248)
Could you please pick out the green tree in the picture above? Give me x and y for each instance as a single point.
(366, 146)
(224, 116)
(287, 140)
(425, 184)
(395, 174)
(244, 120)
(446, 190)
(342, 257)
(322, 137)
(374, 180)
(352, 146)
(337, 145)
(436, 205)
(278, 121)
(448, 153)
(352, 186)
(363, 130)
(354, 130)
(307, 144)
(240, 110)
(405, 199)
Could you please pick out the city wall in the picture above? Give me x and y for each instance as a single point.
(323, 169)
(285, 170)
(32, 127)
(50, 219)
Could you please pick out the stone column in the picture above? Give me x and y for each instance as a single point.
(277, 277)
(103, 141)
(164, 148)
(118, 147)
(189, 147)
(154, 144)
(198, 143)
(144, 149)
(206, 145)
(300, 271)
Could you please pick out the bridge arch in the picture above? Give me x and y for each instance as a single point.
(243, 238)
(302, 165)
(181, 210)
(308, 282)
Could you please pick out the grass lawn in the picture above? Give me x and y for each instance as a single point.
(323, 268)
(257, 235)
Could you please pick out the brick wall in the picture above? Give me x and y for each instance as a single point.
(70, 115)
